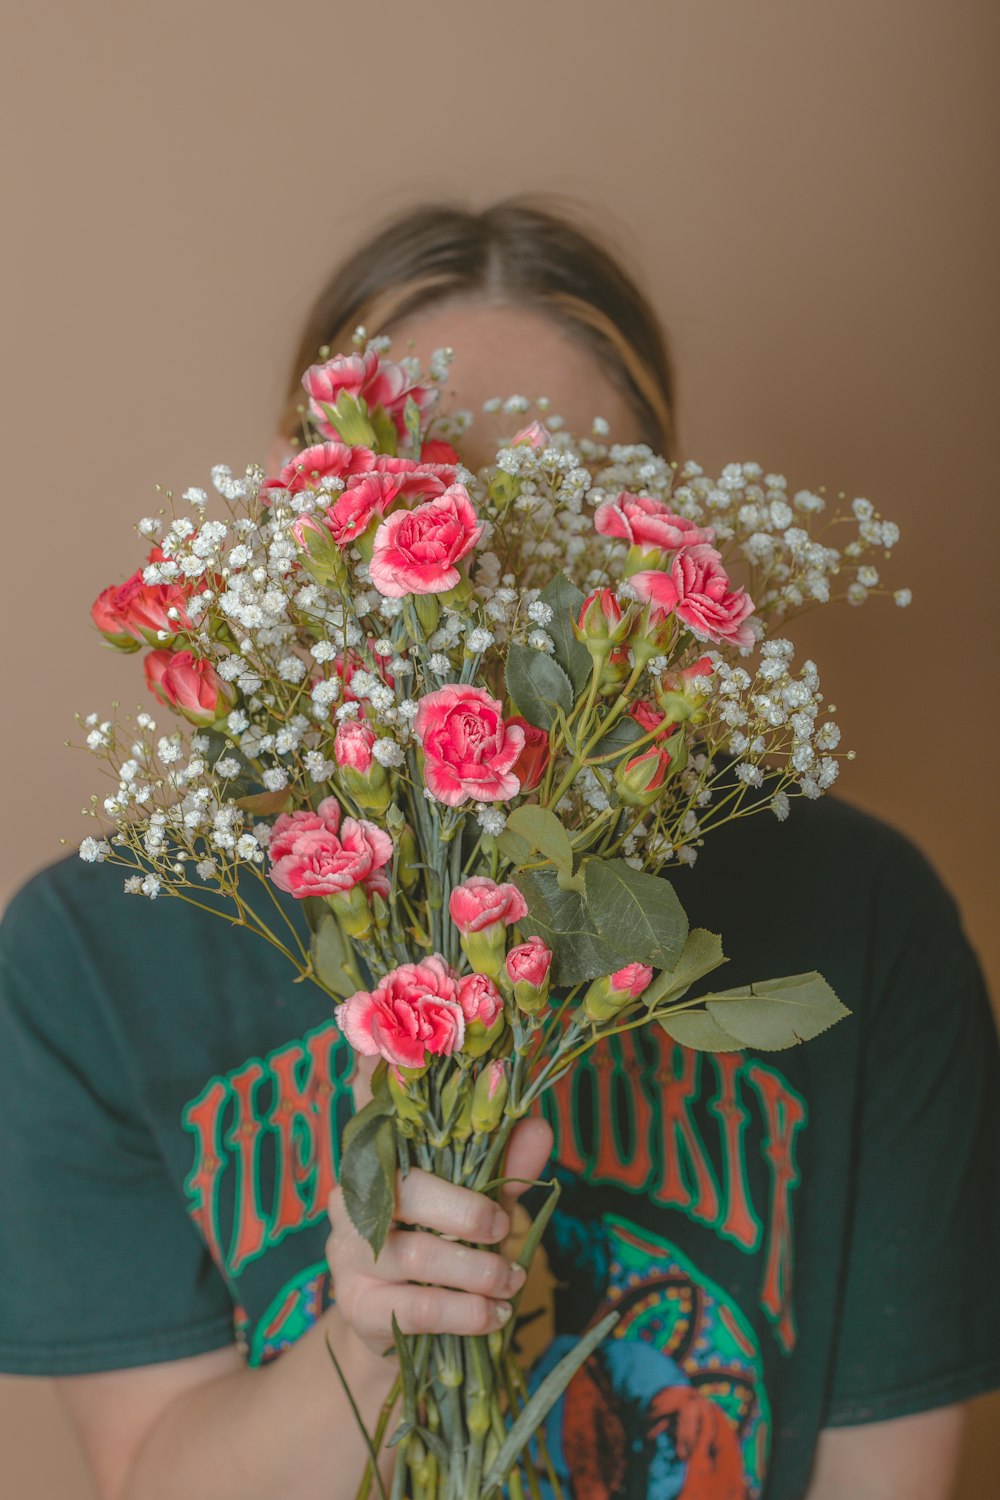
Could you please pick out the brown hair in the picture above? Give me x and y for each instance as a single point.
(516, 251)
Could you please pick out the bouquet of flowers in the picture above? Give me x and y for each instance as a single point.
(467, 722)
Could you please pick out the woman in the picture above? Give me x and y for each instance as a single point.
(801, 1255)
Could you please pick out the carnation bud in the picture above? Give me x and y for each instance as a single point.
(535, 436)
(527, 968)
(456, 1107)
(363, 777)
(489, 1097)
(319, 554)
(613, 992)
(406, 866)
(640, 780)
(408, 1107)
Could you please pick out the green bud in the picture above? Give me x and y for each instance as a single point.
(409, 1106)
(456, 1106)
(485, 950)
(489, 1097)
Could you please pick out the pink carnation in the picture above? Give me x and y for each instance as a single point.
(645, 522)
(416, 550)
(367, 378)
(319, 862)
(333, 460)
(468, 749)
(480, 999)
(479, 902)
(697, 589)
(286, 828)
(529, 963)
(412, 1013)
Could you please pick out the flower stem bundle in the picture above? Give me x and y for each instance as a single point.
(447, 737)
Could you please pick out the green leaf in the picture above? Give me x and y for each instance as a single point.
(359, 1419)
(331, 957)
(638, 914)
(368, 1171)
(530, 827)
(695, 1028)
(407, 1369)
(702, 953)
(560, 918)
(565, 600)
(777, 1013)
(265, 804)
(537, 684)
(619, 738)
(537, 1408)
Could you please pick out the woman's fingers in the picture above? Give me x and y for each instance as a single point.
(433, 1203)
(528, 1151)
(409, 1255)
(419, 1309)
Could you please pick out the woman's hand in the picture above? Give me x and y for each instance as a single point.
(431, 1284)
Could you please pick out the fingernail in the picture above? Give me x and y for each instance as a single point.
(500, 1224)
(516, 1277)
(503, 1312)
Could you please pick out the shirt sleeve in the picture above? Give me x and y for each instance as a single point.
(100, 1266)
(919, 1323)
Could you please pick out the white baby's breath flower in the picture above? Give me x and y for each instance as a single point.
(903, 597)
(388, 753)
(780, 806)
(94, 851)
(275, 778)
(491, 820)
(206, 869)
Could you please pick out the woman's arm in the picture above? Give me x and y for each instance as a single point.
(209, 1428)
(908, 1458)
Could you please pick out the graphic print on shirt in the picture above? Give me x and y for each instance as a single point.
(673, 1404)
(641, 1115)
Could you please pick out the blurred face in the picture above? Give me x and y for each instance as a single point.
(505, 351)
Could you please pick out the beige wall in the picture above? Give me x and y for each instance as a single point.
(806, 187)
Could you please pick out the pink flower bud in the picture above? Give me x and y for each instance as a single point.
(189, 684)
(480, 999)
(529, 963)
(489, 1097)
(640, 779)
(612, 993)
(530, 766)
(536, 435)
(631, 981)
(600, 621)
(352, 745)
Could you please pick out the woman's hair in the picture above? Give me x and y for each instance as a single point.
(516, 252)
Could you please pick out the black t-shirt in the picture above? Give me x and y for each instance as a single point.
(794, 1240)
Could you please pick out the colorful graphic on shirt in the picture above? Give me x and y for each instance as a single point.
(640, 1114)
(294, 1310)
(673, 1404)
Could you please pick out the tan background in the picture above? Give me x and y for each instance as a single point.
(806, 187)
